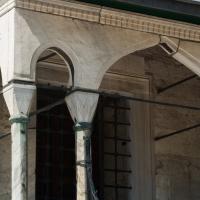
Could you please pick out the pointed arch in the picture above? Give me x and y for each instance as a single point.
(65, 53)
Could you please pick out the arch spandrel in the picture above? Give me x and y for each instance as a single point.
(185, 52)
(92, 47)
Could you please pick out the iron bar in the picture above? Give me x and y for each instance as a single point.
(118, 154)
(114, 95)
(47, 108)
(52, 87)
(176, 132)
(61, 148)
(117, 138)
(4, 135)
(101, 133)
(117, 95)
(118, 171)
(119, 107)
(119, 186)
(176, 83)
(118, 123)
(116, 149)
(156, 138)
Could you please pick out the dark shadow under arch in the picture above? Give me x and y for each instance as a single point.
(62, 59)
(55, 141)
(67, 59)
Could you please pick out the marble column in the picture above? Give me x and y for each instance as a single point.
(18, 98)
(82, 107)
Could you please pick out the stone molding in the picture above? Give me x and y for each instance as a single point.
(107, 16)
(151, 24)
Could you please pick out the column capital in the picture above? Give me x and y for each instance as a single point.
(18, 98)
(82, 106)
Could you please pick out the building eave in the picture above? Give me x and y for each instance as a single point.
(163, 13)
(108, 16)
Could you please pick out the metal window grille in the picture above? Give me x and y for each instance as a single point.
(55, 150)
(111, 157)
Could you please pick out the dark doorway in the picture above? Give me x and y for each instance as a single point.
(55, 154)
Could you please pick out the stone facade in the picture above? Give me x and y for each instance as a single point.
(177, 157)
(94, 39)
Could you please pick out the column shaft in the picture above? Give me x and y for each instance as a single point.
(81, 160)
(19, 157)
(82, 107)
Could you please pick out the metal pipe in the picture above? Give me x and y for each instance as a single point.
(114, 95)
(117, 95)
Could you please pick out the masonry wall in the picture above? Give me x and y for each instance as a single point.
(177, 158)
(177, 163)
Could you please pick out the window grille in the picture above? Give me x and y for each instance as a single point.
(112, 154)
(55, 152)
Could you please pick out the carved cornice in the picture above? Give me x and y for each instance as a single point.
(61, 8)
(150, 24)
(107, 16)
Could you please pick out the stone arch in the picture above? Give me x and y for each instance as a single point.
(179, 53)
(153, 41)
(172, 47)
(65, 53)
